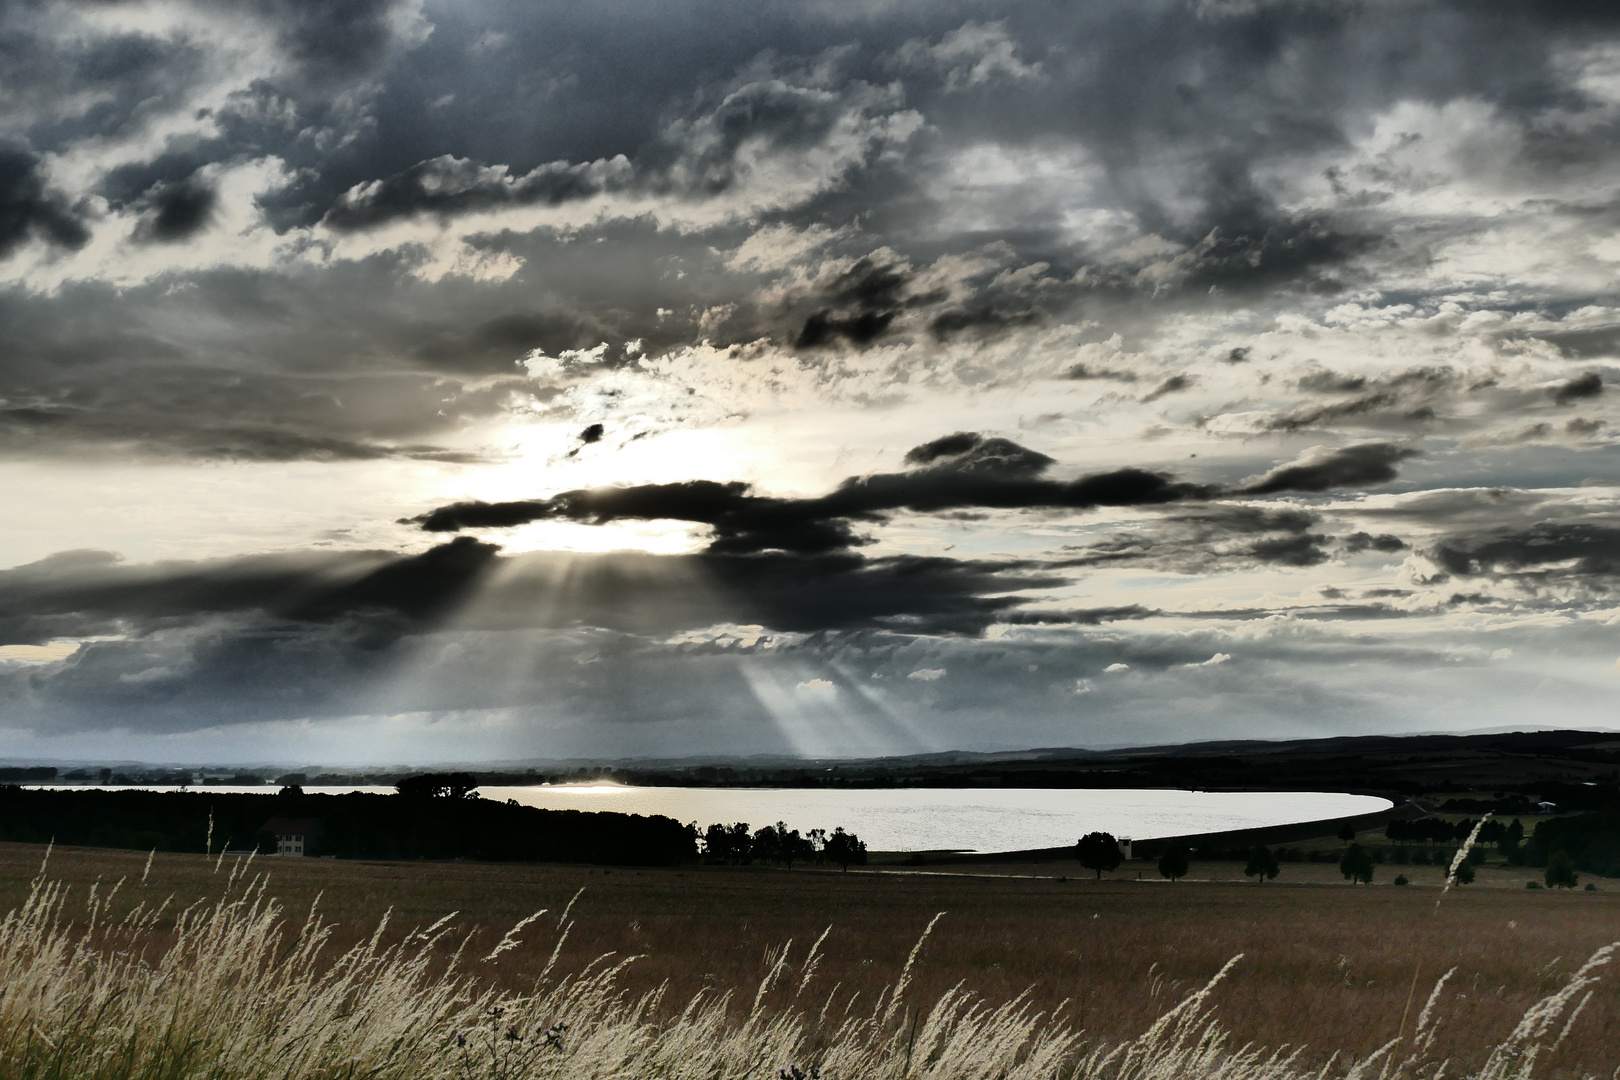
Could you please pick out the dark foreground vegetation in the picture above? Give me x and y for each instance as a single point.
(349, 826)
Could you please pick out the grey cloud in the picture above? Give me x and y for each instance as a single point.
(704, 156)
(1174, 384)
(1219, 538)
(1358, 542)
(446, 186)
(1587, 344)
(1395, 400)
(334, 41)
(1086, 371)
(497, 108)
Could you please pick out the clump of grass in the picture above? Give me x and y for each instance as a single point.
(233, 990)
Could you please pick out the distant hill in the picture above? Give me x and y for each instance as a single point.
(1546, 764)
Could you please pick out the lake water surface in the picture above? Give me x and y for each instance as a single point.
(944, 819)
(965, 819)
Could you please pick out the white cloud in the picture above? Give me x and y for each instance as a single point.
(39, 654)
(974, 54)
(927, 674)
(776, 247)
(1218, 658)
(1113, 668)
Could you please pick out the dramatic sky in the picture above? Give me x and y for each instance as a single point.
(392, 381)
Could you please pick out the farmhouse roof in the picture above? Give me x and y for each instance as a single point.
(292, 826)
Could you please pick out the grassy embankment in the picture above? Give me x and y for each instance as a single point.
(1325, 964)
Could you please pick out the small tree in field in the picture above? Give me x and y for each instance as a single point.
(1560, 871)
(1347, 831)
(1357, 865)
(1098, 851)
(1262, 865)
(844, 848)
(1173, 863)
(1465, 873)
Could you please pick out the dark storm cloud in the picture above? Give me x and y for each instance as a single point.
(959, 471)
(28, 210)
(1589, 385)
(1365, 465)
(868, 296)
(90, 592)
(1547, 553)
(179, 210)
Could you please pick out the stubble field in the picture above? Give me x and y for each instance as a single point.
(1325, 964)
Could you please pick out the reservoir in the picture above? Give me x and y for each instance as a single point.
(960, 819)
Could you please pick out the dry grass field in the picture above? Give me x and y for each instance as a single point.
(1325, 964)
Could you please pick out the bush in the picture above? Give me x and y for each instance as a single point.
(1532, 884)
(1401, 879)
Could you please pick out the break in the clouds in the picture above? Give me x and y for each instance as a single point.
(411, 381)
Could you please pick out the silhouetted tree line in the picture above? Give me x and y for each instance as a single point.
(734, 845)
(1590, 843)
(42, 774)
(456, 785)
(434, 826)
